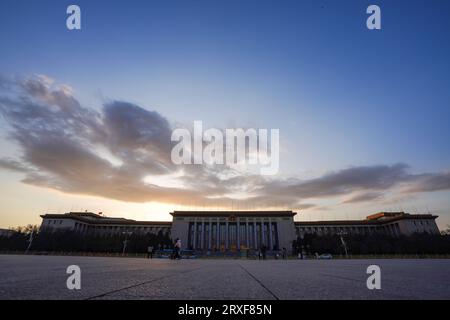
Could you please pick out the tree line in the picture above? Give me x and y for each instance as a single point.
(418, 243)
(70, 241)
(374, 244)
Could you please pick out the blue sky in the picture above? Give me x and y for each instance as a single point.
(341, 95)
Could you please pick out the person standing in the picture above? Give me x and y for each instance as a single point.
(173, 254)
(177, 249)
(150, 252)
(263, 252)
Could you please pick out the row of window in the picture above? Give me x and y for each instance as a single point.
(392, 228)
(83, 226)
(422, 223)
(54, 221)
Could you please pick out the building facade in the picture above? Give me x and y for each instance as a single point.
(235, 230)
(389, 223)
(85, 222)
(238, 230)
(6, 233)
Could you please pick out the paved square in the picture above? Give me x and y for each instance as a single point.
(44, 277)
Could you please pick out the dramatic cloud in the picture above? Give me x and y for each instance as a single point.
(429, 183)
(342, 182)
(364, 197)
(123, 152)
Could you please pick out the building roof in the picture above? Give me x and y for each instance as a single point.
(380, 215)
(374, 219)
(336, 222)
(7, 230)
(92, 218)
(253, 213)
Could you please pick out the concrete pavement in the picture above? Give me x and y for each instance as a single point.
(44, 277)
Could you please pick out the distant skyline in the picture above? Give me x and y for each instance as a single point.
(86, 116)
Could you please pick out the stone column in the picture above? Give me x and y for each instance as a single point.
(270, 235)
(202, 240)
(210, 235)
(218, 234)
(255, 236)
(238, 234)
(247, 234)
(263, 234)
(226, 235)
(195, 236)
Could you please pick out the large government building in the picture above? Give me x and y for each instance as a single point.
(235, 230)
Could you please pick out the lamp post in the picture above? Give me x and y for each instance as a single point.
(300, 245)
(30, 240)
(125, 242)
(341, 234)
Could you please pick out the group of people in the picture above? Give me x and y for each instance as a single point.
(262, 253)
(176, 252)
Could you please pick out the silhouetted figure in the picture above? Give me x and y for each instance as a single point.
(263, 252)
(177, 247)
(150, 252)
(173, 254)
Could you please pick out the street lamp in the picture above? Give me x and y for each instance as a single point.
(125, 242)
(341, 234)
(30, 240)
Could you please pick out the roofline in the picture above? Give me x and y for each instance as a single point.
(240, 213)
(99, 220)
(368, 221)
(103, 220)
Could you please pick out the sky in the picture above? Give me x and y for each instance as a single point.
(86, 115)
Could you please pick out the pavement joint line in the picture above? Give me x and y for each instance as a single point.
(140, 284)
(339, 277)
(260, 283)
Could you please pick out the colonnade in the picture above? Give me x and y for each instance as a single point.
(216, 234)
